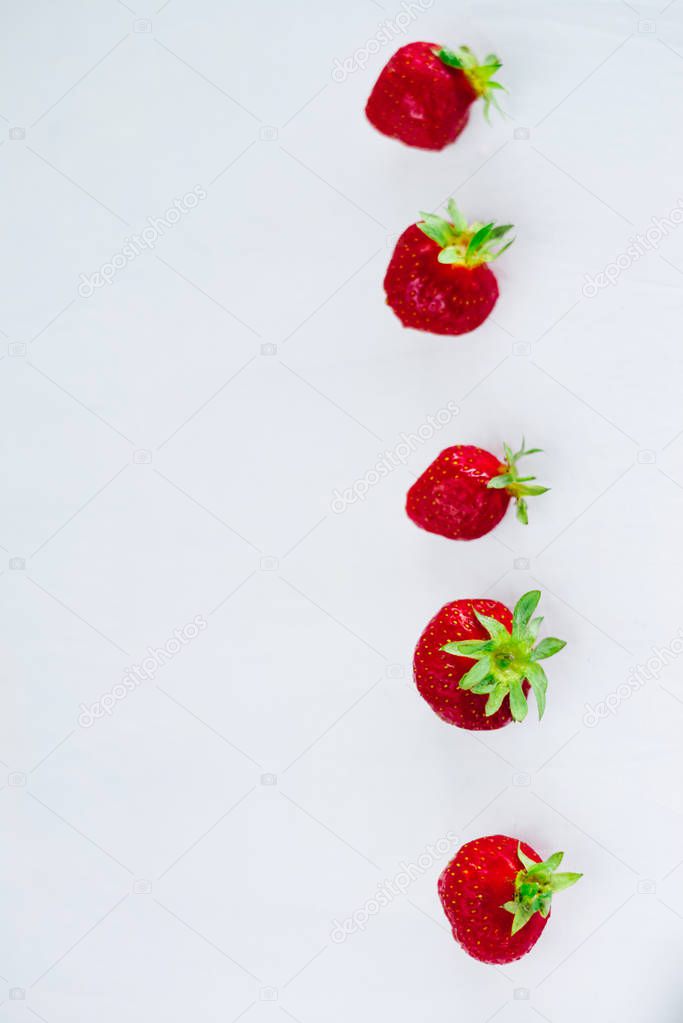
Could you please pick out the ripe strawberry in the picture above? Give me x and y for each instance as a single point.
(485, 883)
(466, 491)
(424, 93)
(475, 661)
(438, 279)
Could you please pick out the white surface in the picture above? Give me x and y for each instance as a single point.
(303, 669)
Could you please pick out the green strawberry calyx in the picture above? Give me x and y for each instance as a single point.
(461, 243)
(535, 886)
(507, 659)
(519, 487)
(480, 76)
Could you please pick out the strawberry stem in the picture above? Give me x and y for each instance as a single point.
(507, 659)
(535, 886)
(517, 486)
(464, 244)
(480, 76)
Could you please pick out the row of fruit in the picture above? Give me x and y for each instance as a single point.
(476, 660)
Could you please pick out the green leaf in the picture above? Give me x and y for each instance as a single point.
(480, 671)
(491, 101)
(524, 608)
(495, 629)
(533, 491)
(434, 219)
(449, 58)
(500, 252)
(500, 482)
(459, 221)
(451, 254)
(539, 684)
(436, 228)
(498, 232)
(478, 239)
(547, 647)
(522, 511)
(511, 906)
(518, 704)
(524, 859)
(495, 700)
(476, 648)
(533, 627)
(527, 451)
(433, 233)
(522, 917)
(553, 862)
(487, 685)
(558, 882)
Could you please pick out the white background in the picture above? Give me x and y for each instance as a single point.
(151, 870)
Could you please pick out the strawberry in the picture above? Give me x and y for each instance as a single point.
(438, 279)
(475, 661)
(465, 492)
(491, 878)
(424, 93)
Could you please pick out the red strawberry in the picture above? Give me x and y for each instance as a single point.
(465, 492)
(491, 878)
(438, 279)
(475, 661)
(424, 93)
